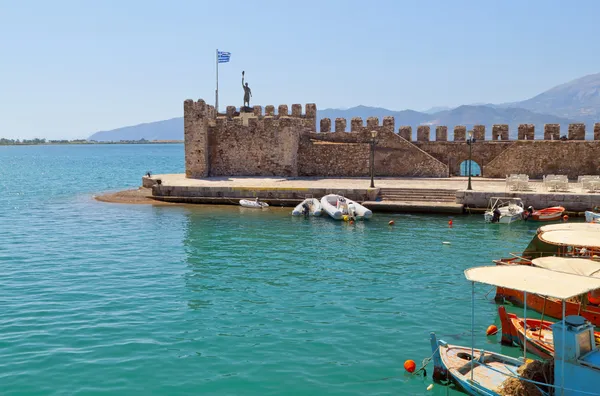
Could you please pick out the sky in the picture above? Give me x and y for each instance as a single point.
(72, 68)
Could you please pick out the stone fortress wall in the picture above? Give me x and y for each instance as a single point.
(288, 144)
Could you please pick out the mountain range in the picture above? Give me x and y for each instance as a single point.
(574, 101)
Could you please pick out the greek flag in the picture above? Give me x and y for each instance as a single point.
(223, 57)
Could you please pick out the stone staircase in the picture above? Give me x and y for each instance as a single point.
(417, 195)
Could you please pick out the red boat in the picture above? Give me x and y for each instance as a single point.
(549, 214)
(539, 333)
(587, 306)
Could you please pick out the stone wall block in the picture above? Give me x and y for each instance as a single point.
(269, 110)
(577, 131)
(551, 131)
(310, 110)
(296, 110)
(460, 133)
(389, 124)
(257, 110)
(405, 132)
(423, 132)
(325, 125)
(479, 132)
(230, 112)
(356, 124)
(340, 125)
(282, 110)
(526, 132)
(500, 132)
(372, 123)
(597, 131)
(441, 133)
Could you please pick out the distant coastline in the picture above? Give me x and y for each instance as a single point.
(44, 142)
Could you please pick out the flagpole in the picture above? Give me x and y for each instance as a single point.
(217, 90)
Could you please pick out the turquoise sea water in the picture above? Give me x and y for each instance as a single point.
(101, 298)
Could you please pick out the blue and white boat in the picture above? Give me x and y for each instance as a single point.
(576, 355)
(475, 371)
(592, 217)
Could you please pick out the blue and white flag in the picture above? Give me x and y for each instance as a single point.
(223, 57)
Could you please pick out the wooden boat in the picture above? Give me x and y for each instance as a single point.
(537, 333)
(504, 210)
(312, 205)
(475, 371)
(548, 214)
(341, 208)
(592, 217)
(587, 306)
(576, 355)
(256, 204)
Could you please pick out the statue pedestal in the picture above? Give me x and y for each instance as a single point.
(245, 117)
(246, 109)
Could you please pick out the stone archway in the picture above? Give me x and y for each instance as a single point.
(476, 168)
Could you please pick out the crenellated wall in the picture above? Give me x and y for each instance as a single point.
(287, 143)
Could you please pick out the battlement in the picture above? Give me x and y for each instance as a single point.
(499, 132)
(285, 141)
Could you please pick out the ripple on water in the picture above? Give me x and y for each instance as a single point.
(121, 299)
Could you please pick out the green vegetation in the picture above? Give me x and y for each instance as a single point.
(31, 142)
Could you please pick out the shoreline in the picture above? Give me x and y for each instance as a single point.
(139, 196)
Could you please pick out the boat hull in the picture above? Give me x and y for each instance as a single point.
(539, 339)
(551, 307)
(504, 218)
(253, 204)
(454, 363)
(314, 206)
(591, 217)
(549, 214)
(350, 210)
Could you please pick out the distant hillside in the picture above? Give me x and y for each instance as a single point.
(464, 115)
(575, 101)
(160, 130)
(578, 100)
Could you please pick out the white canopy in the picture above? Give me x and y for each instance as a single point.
(580, 238)
(576, 266)
(570, 227)
(533, 280)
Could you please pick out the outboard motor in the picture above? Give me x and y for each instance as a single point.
(496, 217)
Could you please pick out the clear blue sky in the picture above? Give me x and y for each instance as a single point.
(71, 68)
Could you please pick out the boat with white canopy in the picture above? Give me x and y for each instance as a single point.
(577, 357)
(570, 227)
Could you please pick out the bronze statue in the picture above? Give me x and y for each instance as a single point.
(247, 92)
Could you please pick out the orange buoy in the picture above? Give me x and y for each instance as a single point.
(594, 297)
(410, 366)
(391, 222)
(450, 223)
(566, 218)
(491, 330)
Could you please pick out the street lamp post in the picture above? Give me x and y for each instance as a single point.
(470, 142)
(373, 136)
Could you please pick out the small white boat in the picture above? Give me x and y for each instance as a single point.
(504, 210)
(253, 204)
(312, 205)
(341, 208)
(592, 217)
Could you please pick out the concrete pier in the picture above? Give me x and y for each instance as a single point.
(425, 195)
